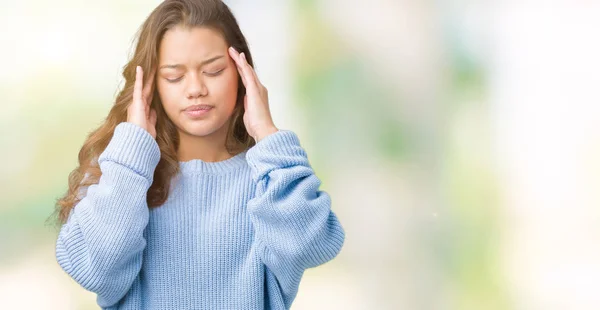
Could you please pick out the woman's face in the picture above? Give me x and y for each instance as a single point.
(194, 68)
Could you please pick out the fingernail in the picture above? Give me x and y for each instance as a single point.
(243, 56)
(233, 48)
(137, 69)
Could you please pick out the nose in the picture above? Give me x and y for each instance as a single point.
(196, 87)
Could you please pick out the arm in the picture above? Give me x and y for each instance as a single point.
(295, 228)
(101, 244)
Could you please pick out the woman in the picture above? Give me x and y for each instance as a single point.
(188, 196)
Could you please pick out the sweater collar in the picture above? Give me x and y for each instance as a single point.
(196, 166)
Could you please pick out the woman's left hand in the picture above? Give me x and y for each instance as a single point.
(257, 116)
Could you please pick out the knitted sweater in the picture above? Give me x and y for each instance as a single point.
(234, 234)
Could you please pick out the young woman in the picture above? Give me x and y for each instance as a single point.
(188, 196)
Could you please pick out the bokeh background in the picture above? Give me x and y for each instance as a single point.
(459, 140)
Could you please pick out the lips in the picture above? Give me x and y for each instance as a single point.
(198, 107)
(197, 112)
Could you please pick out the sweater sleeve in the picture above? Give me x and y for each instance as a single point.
(101, 244)
(295, 227)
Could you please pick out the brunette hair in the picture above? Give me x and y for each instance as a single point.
(171, 13)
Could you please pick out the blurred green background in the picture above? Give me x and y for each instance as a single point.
(459, 141)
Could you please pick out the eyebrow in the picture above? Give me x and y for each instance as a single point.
(177, 66)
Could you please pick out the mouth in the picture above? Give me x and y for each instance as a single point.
(198, 107)
(197, 111)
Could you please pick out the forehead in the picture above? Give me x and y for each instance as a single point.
(181, 43)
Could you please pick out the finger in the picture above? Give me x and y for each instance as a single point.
(152, 117)
(246, 66)
(250, 68)
(149, 87)
(246, 75)
(137, 86)
(260, 87)
(251, 83)
(235, 56)
(241, 73)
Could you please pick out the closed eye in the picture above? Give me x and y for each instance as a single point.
(214, 73)
(207, 73)
(174, 80)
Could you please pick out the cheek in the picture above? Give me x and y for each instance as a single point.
(226, 88)
(166, 90)
(168, 96)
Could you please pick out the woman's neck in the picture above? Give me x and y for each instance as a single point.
(210, 148)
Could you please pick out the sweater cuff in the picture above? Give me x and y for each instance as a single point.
(132, 146)
(278, 150)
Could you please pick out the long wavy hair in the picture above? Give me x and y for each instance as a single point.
(188, 13)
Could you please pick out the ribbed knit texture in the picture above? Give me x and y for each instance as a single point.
(235, 234)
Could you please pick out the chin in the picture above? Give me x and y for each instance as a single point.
(202, 128)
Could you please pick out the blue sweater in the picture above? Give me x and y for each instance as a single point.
(234, 234)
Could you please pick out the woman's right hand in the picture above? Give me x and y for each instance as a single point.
(139, 111)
